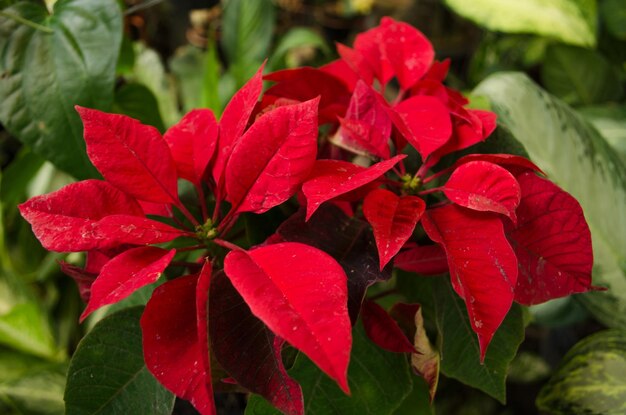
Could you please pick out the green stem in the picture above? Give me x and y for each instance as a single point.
(26, 22)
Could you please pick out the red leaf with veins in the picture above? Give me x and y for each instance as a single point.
(236, 332)
(425, 260)
(424, 121)
(514, 164)
(484, 186)
(482, 264)
(125, 274)
(173, 352)
(130, 155)
(273, 158)
(552, 242)
(300, 293)
(393, 219)
(383, 330)
(332, 178)
(234, 121)
(340, 69)
(192, 142)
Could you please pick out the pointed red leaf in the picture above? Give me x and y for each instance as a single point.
(192, 142)
(171, 348)
(340, 70)
(357, 63)
(425, 260)
(125, 274)
(234, 121)
(472, 128)
(203, 286)
(552, 242)
(393, 219)
(273, 158)
(484, 186)
(332, 178)
(438, 71)
(514, 164)
(116, 230)
(300, 293)
(130, 155)
(235, 331)
(483, 266)
(424, 121)
(157, 209)
(83, 279)
(383, 330)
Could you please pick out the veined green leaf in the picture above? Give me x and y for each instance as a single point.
(68, 60)
(591, 378)
(570, 21)
(576, 157)
(610, 121)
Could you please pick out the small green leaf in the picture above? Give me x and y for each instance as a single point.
(137, 101)
(26, 328)
(570, 21)
(591, 378)
(45, 73)
(295, 38)
(107, 374)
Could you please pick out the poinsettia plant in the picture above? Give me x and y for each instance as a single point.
(352, 151)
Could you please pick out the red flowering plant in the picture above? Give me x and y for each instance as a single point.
(339, 142)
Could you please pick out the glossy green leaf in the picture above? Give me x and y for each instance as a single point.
(591, 378)
(579, 76)
(45, 72)
(613, 13)
(296, 37)
(379, 381)
(610, 121)
(577, 158)
(570, 21)
(107, 374)
(25, 328)
(137, 101)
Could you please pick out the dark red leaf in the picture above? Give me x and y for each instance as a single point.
(130, 155)
(425, 260)
(552, 242)
(125, 274)
(81, 277)
(273, 158)
(192, 142)
(203, 287)
(157, 209)
(383, 330)
(171, 347)
(300, 293)
(332, 178)
(393, 219)
(514, 164)
(484, 186)
(483, 266)
(236, 333)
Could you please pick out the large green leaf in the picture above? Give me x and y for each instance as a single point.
(614, 15)
(68, 61)
(107, 374)
(591, 378)
(571, 21)
(610, 121)
(379, 382)
(576, 157)
(137, 101)
(26, 328)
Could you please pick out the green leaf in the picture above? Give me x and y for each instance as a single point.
(137, 101)
(610, 121)
(591, 378)
(107, 374)
(613, 13)
(18, 175)
(379, 382)
(570, 21)
(26, 328)
(247, 29)
(44, 74)
(296, 37)
(577, 158)
(579, 76)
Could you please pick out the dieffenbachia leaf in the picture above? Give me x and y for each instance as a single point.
(70, 60)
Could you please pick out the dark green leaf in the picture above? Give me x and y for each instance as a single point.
(44, 75)
(137, 101)
(17, 175)
(610, 121)
(591, 379)
(614, 15)
(107, 374)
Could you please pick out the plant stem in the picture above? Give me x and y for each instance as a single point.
(227, 245)
(187, 214)
(200, 191)
(429, 191)
(26, 22)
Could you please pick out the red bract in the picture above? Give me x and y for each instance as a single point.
(426, 260)
(383, 330)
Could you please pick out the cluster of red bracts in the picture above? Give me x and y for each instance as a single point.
(502, 232)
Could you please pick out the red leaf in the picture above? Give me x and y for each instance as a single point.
(203, 286)
(357, 63)
(340, 69)
(514, 164)
(438, 71)
(474, 127)
(234, 121)
(393, 219)
(132, 156)
(332, 178)
(116, 230)
(383, 330)
(300, 293)
(408, 51)
(425, 260)
(482, 264)
(273, 158)
(83, 279)
(484, 186)
(157, 209)
(192, 142)
(235, 331)
(552, 242)
(125, 274)
(171, 347)
(424, 121)
(369, 46)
